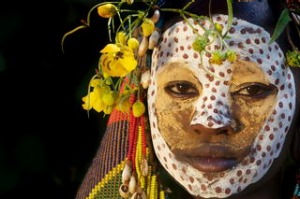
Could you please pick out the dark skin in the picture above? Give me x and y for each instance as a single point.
(278, 183)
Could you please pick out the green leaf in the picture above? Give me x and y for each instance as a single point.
(230, 14)
(282, 22)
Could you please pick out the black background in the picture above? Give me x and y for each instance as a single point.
(46, 139)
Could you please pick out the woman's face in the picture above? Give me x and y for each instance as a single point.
(238, 109)
(218, 128)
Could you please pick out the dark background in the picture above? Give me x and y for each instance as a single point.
(46, 139)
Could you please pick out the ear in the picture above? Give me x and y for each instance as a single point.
(295, 145)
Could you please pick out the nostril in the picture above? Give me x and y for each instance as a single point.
(224, 131)
(228, 130)
(201, 129)
(197, 131)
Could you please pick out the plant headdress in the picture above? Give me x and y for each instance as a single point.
(122, 77)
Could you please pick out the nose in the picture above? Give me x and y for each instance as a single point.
(214, 108)
(213, 114)
(201, 129)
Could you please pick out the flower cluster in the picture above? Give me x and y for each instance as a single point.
(116, 61)
(122, 61)
(217, 56)
(123, 68)
(293, 58)
(125, 57)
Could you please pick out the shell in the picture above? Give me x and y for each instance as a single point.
(145, 79)
(124, 191)
(140, 194)
(143, 47)
(155, 17)
(132, 185)
(144, 167)
(153, 39)
(126, 174)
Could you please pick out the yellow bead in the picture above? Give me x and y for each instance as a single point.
(161, 194)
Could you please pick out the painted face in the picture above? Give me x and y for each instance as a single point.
(218, 128)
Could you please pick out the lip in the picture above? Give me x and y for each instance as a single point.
(209, 158)
(212, 164)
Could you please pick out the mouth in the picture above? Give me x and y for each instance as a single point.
(209, 158)
(212, 164)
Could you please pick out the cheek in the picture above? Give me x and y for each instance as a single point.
(251, 116)
(173, 118)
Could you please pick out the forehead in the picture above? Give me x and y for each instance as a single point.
(249, 71)
(249, 41)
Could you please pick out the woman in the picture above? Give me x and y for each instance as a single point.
(223, 111)
(224, 124)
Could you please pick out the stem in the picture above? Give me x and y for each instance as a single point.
(297, 22)
(133, 24)
(121, 20)
(209, 10)
(99, 67)
(288, 31)
(118, 84)
(188, 4)
(179, 11)
(109, 29)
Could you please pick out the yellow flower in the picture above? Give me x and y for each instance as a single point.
(217, 57)
(109, 98)
(121, 38)
(231, 56)
(117, 60)
(95, 82)
(219, 27)
(138, 108)
(133, 44)
(107, 10)
(293, 58)
(87, 101)
(108, 109)
(111, 48)
(123, 105)
(200, 43)
(148, 27)
(94, 99)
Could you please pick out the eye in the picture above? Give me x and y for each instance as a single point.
(255, 90)
(181, 89)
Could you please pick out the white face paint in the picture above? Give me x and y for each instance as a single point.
(213, 106)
